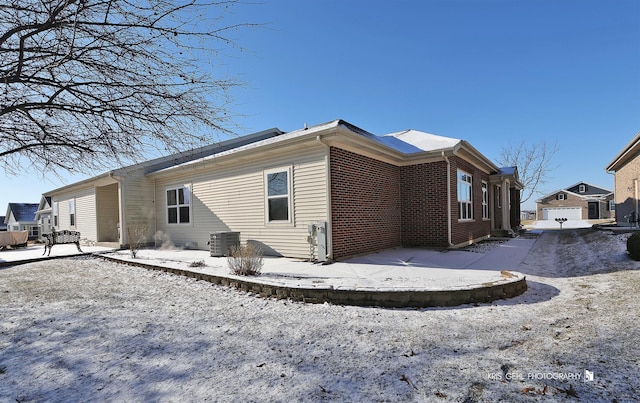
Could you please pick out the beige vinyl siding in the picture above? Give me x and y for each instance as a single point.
(107, 203)
(138, 205)
(232, 198)
(85, 201)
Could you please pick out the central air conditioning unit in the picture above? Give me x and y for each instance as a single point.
(221, 242)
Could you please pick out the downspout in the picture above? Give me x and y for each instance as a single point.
(328, 198)
(615, 214)
(448, 199)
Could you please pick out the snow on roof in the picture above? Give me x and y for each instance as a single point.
(407, 142)
(417, 141)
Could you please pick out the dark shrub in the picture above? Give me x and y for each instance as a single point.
(633, 246)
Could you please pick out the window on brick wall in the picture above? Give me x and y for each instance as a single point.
(278, 195)
(485, 200)
(465, 196)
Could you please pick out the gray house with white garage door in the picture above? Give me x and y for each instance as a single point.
(581, 201)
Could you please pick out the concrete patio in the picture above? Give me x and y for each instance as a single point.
(393, 278)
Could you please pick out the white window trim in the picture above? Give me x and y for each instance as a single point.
(465, 202)
(582, 188)
(72, 212)
(561, 196)
(485, 201)
(612, 205)
(188, 191)
(289, 170)
(56, 217)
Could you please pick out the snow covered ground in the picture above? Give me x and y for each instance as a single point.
(83, 329)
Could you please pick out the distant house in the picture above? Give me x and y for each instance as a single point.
(626, 169)
(43, 215)
(581, 201)
(22, 217)
(328, 191)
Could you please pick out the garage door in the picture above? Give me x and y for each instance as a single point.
(570, 213)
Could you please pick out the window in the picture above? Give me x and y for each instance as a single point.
(179, 205)
(612, 205)
(72, 212)
(485, 201)
(561, 196)
(465, 196)
(55, 214)
(278, 196)
(582, 188)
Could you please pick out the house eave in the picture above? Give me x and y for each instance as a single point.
(625, 154)
(100, 180)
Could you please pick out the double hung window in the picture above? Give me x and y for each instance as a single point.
(465, 196)
(179, 205)
(485, 200)
(72, 212)
(54, 209)
(278, 195)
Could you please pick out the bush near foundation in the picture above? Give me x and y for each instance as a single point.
(633, 246)
(245, 260)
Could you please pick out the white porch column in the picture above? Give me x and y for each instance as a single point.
(506, 208)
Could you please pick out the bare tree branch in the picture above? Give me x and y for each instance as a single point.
(85, 83)
(534, 162)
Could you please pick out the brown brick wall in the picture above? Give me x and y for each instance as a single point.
(467, 230)
(424, 204)
(375, 205)
(624, 189)
(365, 204)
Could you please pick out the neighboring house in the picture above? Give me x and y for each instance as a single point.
(581, 201)
(43, 215)
(21, 217)
(626, 169)
(333, 190)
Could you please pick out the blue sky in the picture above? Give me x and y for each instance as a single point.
(487, 71)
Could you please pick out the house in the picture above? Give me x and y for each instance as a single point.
(327, 192)
(625, 167)
(43, 215)
(581, 201)
(21, 217)
(3, 226)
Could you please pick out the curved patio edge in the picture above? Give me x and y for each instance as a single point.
(510, 288)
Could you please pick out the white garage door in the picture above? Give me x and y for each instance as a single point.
(570, 213)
